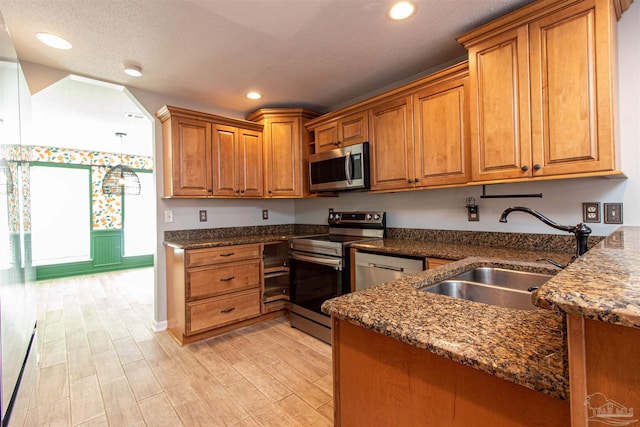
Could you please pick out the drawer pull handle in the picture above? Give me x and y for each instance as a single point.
(228, 254)
(227, 279)
(227, 310)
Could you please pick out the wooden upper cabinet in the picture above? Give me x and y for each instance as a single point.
(391, 146)
(347, 130)
(572, 120)
(420, 139)
(250, 171)
(237, 162)
(499, 84)
(187, 157)
(286, 150)
(210, 156)
(542, 91)
(441, 129)
(225, 160)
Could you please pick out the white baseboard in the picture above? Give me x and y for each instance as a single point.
(159, 326)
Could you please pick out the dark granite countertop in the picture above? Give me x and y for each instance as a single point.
(457, 251)
(202, 243)
(603, 284)
(527, 347)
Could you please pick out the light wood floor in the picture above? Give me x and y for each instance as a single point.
(101, 365)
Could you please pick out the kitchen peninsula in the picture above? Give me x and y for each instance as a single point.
(442, 358)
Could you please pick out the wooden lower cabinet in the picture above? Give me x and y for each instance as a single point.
(604, 372)
(436, 262)
(379, 381)
(218, 311)
(211, 291)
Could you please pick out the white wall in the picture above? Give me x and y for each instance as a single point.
(562, 199)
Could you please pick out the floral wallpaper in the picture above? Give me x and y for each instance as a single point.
(107, 209)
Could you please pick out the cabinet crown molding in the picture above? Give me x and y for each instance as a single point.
(168, 111)
(263, 113)
(526, 14)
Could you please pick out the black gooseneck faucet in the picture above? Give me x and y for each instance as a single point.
(581, 231)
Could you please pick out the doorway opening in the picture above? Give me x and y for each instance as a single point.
(78, 126)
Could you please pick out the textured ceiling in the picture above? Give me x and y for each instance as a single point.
(313, 53)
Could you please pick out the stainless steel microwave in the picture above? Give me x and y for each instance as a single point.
(341, 169)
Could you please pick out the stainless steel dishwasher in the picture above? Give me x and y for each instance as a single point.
(374, 269)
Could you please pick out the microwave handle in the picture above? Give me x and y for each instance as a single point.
(347, 167)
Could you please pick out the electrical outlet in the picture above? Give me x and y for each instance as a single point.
(591, 212)
(613, 213)
(168, 216)
(473, 213)
(330, 210)
(203, 216)
(265, 214)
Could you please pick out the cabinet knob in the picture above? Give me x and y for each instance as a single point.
(336, 143)
(537, 167)
(410, 181)
(237, 191)
(524, 168)
(242, 191)
(270, 191)
(210, 190)
(416, 180)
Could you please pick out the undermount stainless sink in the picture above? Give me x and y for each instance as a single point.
(512, 279)
(493, 286)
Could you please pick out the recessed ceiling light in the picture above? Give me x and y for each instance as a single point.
(254, 95)
(401, 10)
(53, 41)
(133, 71)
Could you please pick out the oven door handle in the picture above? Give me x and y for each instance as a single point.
(337, 263)
(347, 167)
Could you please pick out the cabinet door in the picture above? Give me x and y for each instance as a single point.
(391, 147)
(571, 106)
(353, 129)
(250, 171)
(225, 161)
(499, 85)
(326, 136)
(441, 133)
(189, 158)
(283, 163)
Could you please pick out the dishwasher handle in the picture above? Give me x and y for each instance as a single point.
(386, 267)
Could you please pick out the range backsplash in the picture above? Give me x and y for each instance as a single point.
(546, 242)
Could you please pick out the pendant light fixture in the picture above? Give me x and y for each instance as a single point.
(6, 179)
(121, 179)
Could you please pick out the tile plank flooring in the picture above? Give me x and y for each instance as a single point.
(102, 365)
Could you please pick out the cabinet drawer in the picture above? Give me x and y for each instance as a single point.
(208, 281)
(218, 311)
(198, 257)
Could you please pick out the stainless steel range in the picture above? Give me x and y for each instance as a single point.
(319, 267)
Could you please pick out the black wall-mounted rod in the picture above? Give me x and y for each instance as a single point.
(506, 196)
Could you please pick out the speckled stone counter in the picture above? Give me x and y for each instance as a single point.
(457, 251)
(230, 236)
(604, 284)
(527, 347)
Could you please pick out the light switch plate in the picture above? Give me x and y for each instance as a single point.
(203, 216)
(613, 213)
(591, 212)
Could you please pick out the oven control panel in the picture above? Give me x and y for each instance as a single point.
(369, 219)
